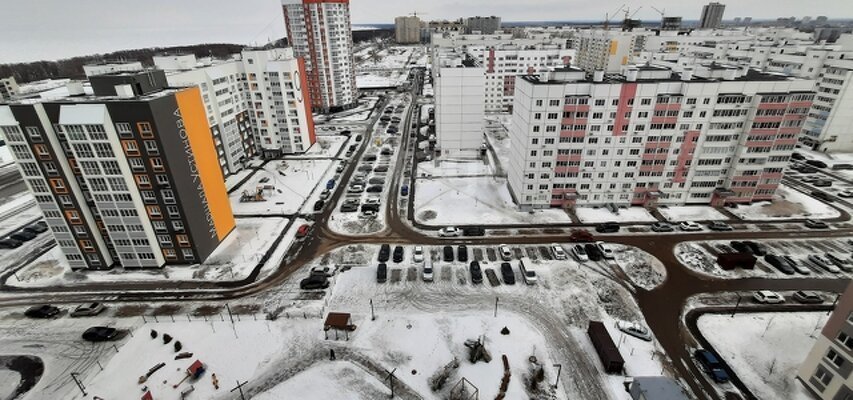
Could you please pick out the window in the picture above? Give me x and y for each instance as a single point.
(159, 226)
(154, 212)
(170, 254)
(183, 240)
(151, 147)
(178, 226)
(145, 129)
(823, 376)
(34, 133)
(833, 357)
(131, 148)
(143, 181)
(123, 129)
(58, 185)
(165, 240)
(73, 217)
(157, 164)
(845, 340)
(136, 164)
(41, 151)
(173, 211)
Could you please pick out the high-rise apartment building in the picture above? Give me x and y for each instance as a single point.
(407, 29)
(826, 370)
(711, 135)
(8, 88)
(828, 126)
(459, 82)
(320, 32)
(712, 15)
(127, 176)
(604, 50)
(483, 25)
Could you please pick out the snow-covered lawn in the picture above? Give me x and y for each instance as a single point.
(234, 179)
(234, 259)
(326, 146)
(390, 58)
(454, 167)
(691, 213)
(290, 182)
(372, 80)
(474, 201)
(328, 380)
(18, 211)
(765, 349)
(591, 215)
(787, 204)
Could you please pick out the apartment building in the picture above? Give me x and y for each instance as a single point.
(648, 136)
(505, 62)
(712, 15)
(407, 29)
(320, 32)
(826, 370)
(126, 176)
(482, 25)
(8, 88)
(459, 82)
(605, 50)
(828, 127)
(109, 68)
(456, 39)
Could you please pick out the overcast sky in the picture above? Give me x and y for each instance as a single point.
(51, 29)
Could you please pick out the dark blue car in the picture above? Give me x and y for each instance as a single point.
(330, 184)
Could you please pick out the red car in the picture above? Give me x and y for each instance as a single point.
(303, 231)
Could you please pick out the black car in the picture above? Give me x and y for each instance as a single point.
(448, 253)
(100, 334)
(23, 236)
(462, 253)
(779, 263)
(374, 189)
(381, 273)
(384, 252)
(36, 228)
(44, 311)
(823, 196)
(358, 138)
(381, 168)
(507, 273)
(756, 248)
(371, 157)
(592, 252)
(376, 181)
(740, 247)
(797, 156)
(473, 231)
(370, 207)
(313, 282)
(8, 243)
(607, 227)
(816, 163)
(476, 272)
(822, 183)
(347, 208)
(398, 254)
(318, 205)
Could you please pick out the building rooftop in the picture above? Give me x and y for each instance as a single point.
(651, 74)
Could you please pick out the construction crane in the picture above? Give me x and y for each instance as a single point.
(609, 16)
(415, 13)
(628, 24)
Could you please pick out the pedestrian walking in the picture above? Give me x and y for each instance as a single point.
(332, 354)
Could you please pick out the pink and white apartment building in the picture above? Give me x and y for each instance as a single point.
(648, 136)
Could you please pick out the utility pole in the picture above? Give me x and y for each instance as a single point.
(79, 384)
(496, 306)
(391, 378)
(240, 388)
(372, 315)
(559, 370)
(229, 313)
(736, 305)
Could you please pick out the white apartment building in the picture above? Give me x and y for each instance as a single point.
(320, 32)
(826, 370)
(605, 50)
(459, 82)
(8, 88)
(109, 68)
(711, 135)
(407, 29)
(829, 127)
(456, 39)
(504, 63)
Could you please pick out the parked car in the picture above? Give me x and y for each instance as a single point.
(473, 231)
(448, 253)
(100, 334)
(816, 163)
(448, 231)
(559, 252)
(476, 272)
(9, 243)
(404, 190)
(607, 227)
(330, 184)
(428, 274)
(462, 253)
(797, 266)
(662, 227)
(635, 330)
(822, 196)
(325, 194)
(842, 167)
(381, 273)
(814, 224)
(689, 226)
(418, 254)
(36, 228)
(528, 272)
(720, 226)
(507, 273)
(355, 188)
(779, 263)
(605, 250)
(88, 310)
(303, 231)
(824, 263)
(807, 297)
(374, 189)
(797, 156)
(822, 183)
(740, 247)
(758, 249)
(314, 282)
(593, 252)
(384, 252)
(349, 207)
(43, 311)
(506, 253)
(398, 254)
(712, 366)
(845, 194)
(23, 236)
(768, 297)
(579, 253)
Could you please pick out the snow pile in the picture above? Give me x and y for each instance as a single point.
(765, 349)
(692, 256)
(691, 213)
(590, 215)
(787, 204)
(328, 380)
(642, 268)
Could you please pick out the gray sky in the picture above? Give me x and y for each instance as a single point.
(51, 29)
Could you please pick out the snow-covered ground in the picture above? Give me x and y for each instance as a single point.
(643, 269)
(443, 167)
(591, 215)
(326, 146)
(474, 201)
(765, 349)
(394, 57)
(234, 179)
(328, 380)
(787, 204)
(290, 182)
(384, 79)
(234, 259)
(691, 213)
(17, 212)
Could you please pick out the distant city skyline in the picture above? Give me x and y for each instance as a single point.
(54, 29)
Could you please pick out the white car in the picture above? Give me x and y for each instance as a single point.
(689, 226)
(605, 250)
(367, 214)
(427, 272)
(635, 330)
(418, 254)
(846, 194)
(558, 251)
(822, 262)
(373, 200)
(580, 253)
(506, 253)
(768, 297)
(355, 188)
(449, 231)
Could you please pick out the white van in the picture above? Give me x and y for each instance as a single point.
(527, 270)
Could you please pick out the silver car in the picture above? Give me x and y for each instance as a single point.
(88, 310)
